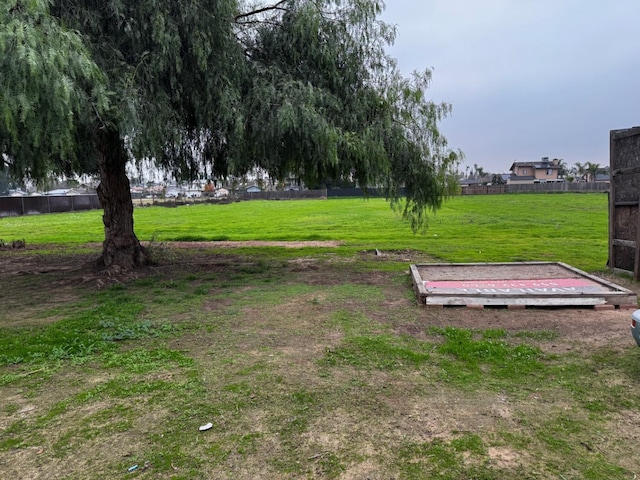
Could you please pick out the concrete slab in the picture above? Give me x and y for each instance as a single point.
(516, 285)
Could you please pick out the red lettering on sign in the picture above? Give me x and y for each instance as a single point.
(511, 284)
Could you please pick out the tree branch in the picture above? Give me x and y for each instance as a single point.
(256, 22)
(277, 6)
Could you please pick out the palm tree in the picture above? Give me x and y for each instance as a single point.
(497, 179)
(580, 170)
(592, 170)
(563, 170)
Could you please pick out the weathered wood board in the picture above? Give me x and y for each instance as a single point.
(534, 284)
(624, 201)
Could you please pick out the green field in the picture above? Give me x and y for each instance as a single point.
(310, 362)
(564, 227)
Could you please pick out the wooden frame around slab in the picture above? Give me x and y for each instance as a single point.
(611, 293)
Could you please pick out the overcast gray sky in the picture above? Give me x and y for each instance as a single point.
(527, 78)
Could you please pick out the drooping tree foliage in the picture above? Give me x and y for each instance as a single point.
(300, 87)
(89, 85)
(51, 91)
(324, 100)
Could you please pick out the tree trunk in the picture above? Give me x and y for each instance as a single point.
(121, 250)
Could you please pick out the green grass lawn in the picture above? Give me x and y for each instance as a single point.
(311, 362)
(564, 227)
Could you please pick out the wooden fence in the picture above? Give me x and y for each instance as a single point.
(550, 187)
(283, 195)
(15, 206)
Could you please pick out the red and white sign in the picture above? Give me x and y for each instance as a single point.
(545, 285)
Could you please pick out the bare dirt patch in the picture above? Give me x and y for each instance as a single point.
(576, 328)
(58, 274)
(276, 345)
(257, 243)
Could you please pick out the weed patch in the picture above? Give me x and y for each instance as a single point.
(381, 352)
(145, 360)
(445, 460)
(472, 358)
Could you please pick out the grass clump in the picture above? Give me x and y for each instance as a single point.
(443, 460)
(382, 352)
(473, 354)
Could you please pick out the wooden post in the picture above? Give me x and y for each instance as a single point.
(612, 201)
(636, 265)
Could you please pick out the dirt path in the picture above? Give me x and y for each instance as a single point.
(62, 270)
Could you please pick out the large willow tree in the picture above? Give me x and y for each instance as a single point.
(297, 87)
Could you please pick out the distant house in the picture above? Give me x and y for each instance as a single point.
(253, 189)
(58, 192)
(172, 192)
(535, 172)
(137, 192)
(504, 177)
(154, 190)
(467, 182)
(76, 191)
(221, 192)
(475, 180)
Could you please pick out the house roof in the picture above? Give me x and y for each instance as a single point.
(472, 181)
(58, 191)
(537, 165)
